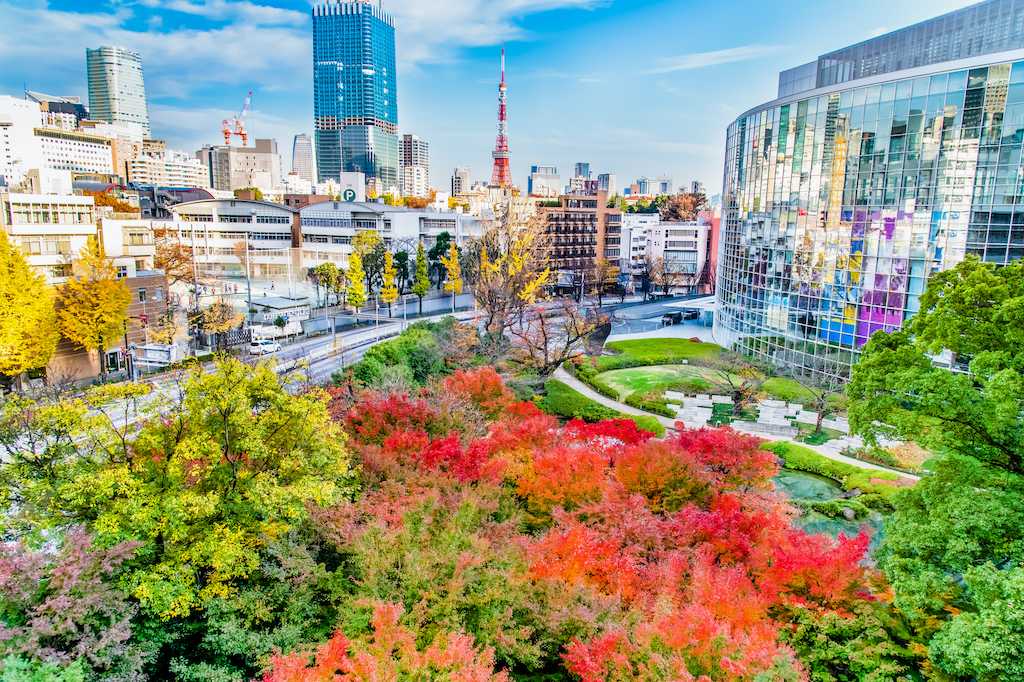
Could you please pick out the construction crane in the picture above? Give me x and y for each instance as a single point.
(236, 124)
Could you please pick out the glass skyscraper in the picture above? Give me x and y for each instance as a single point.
(117, 89)
(878, 166)
(354, 91)
(303, 160)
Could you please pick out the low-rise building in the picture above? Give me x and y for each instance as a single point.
(580, 229)
(50, 229)
(232, 168)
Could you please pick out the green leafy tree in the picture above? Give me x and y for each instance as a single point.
(421, 285)
(952, 551)
(437, 252)
(356, 289)
(94, 302)
(402, 270)
(205, 486)
(28, 325)
(329, 276)
(976, 312)
(256, 190)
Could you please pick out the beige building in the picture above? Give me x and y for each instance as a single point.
(50, 229)
(232, 168)
(168, 168)
(582, 229)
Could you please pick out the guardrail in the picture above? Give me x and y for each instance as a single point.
(341, 346)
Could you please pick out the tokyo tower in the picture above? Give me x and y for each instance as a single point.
(501, 175)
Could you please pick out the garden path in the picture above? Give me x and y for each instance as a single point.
(669, 423)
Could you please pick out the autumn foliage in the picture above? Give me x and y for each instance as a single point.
(681, 543)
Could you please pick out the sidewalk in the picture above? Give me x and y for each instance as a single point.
(669, 423)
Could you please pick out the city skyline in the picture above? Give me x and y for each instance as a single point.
(201, 59)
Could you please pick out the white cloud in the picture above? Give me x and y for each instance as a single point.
(432, 30)
(700, 60)
(176, 63)
(237, 12)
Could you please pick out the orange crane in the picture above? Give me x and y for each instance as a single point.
(236, 124)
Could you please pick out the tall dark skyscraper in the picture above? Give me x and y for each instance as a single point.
(355, 104)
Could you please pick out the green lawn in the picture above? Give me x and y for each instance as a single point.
(657, 351)
(661, 377)
(567, 402)
(644, 379)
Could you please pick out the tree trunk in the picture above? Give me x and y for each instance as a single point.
(103, 363)
(421, 305)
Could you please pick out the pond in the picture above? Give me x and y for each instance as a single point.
(800, 485)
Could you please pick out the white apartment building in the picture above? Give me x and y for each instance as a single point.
(283, 242)
(168, 168)
(415, 181)
(19, 148)
(50, 229)
(683, 246)
(75, 152)
(130, 243)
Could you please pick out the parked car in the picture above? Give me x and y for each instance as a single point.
(672, 318)
(691, 314)
(264, 346)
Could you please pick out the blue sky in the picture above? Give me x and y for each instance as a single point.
(632, 87)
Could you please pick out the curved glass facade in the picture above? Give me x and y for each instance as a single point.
(841, 202)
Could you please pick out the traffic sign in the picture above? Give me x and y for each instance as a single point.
(144, 319)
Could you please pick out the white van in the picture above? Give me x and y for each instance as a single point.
(264, 346)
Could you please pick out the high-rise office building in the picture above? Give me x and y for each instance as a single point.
(117, 89)
(582, 171)
(606, 182)
(355, 98)
(414, 162)
(460, 180)
(303, 159)
(878, 166)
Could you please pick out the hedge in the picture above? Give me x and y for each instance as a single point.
(567, 402)
(642, 402)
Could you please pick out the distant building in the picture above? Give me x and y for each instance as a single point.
(414, 162)
(543, 182)
(232, 168)
(75, 152)
(168, 168)
(303, 158)
(415, 182)
(355, 96)
(460, 180)
(606, 183)
(117, 89)
(582, 171)
(696, 187)
(55, 107)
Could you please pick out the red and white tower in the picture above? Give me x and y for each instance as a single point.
(501, 175)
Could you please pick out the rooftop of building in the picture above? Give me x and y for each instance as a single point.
(987, 27)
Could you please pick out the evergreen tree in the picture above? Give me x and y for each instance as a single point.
(28, 326)
(421, 285)
(94, 303)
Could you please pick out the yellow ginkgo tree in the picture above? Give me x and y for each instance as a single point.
(28, 326)
(94, 302)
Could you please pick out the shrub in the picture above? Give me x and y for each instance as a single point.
(834, 508)
(594, 412)
(652, 402)
(647, 424)
(563, 400)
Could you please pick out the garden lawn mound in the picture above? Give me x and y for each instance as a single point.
(655, 352)
(657, 377)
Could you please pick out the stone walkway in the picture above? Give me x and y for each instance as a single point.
(669, 423)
